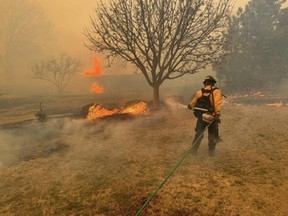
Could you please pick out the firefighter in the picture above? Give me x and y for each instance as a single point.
(206, 105)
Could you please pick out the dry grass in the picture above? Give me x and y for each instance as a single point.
(110, 167)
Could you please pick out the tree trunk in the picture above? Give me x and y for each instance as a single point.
(156, 97)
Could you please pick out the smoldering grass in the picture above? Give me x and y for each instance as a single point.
(42, 150)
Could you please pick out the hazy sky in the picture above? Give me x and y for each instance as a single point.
(70, 17)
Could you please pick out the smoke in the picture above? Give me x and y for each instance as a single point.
(74, 137)
(172, 103)
(68, 20)
(32, 140)
(25, 141)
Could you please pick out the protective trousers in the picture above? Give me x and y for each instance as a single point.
(213, 134)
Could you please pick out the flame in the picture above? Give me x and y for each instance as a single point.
(280, 104)
(96, 70)
(95, 88)
(98, 111)
(136, 109)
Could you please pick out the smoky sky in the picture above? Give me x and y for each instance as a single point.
(68, 20)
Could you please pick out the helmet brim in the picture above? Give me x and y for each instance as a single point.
(209, 81)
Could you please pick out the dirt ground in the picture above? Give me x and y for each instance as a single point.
(68, 166)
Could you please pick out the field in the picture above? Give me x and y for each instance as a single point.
(68, 166)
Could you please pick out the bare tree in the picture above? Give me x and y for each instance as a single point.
(22, 27)
(165, 39)
(57, 70)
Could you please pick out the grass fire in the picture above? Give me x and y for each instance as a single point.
(98, 112)
(110, 167)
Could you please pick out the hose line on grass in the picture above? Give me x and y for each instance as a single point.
(172, 171)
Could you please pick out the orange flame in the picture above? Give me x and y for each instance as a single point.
(136, 109)
(98, 111)
(96, 70)
(95, 88)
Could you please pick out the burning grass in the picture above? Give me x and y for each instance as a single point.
(112, 167)
(97, 111)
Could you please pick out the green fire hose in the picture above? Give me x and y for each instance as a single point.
(171, 172)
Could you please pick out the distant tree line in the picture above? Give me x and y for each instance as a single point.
(257, 54)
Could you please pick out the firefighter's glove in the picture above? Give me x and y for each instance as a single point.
(189, 106)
